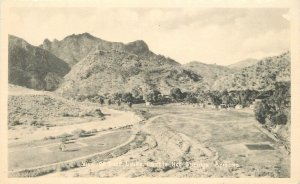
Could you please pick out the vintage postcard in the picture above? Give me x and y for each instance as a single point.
(153, 92)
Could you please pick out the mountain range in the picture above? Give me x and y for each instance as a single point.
(74, 48)
(85, 65)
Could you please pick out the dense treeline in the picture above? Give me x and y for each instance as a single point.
(245, 98)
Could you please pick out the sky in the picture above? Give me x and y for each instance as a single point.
(210, 35)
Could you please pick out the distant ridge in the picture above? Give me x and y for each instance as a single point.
(244, 63)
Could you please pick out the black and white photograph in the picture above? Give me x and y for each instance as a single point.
(148, 92)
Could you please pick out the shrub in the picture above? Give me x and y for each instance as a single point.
(65, 114)
(98, 113)
(62, 167)
(79, 132)
(64, 135)
(33, 123)
(65, 139)
(93, 130)
(16, 122)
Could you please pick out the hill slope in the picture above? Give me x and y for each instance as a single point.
(34, 67)
(244, 63)
(261, 76)
(209, 72)
(119, 71)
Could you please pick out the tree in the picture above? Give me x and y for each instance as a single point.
(261, 112)
(101, 101)
(152, 96)
(191, 97)
(201, 96)
(276, 106)
(116, 97)
(176, 94)
(119, 102)
(137, 93)
(233, 99)
(282, 95)
(129, 104)
(246, 97)
(127, 97)
(225, 97)
(215, 97)
(280, 118)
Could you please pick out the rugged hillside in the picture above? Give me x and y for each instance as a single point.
(28, 109)
(244, 63)
(119, 71)
(262, 75)
(209, 72)
(74, 48)
(34, 67)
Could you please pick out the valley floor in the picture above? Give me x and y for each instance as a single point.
(186, 141)
(171, 141)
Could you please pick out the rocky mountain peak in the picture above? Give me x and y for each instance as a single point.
(81, 36)
(137, 47)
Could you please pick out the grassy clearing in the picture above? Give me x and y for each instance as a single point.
(37, 156)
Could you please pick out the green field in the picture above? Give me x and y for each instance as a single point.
(27, 156)
(227, 132)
